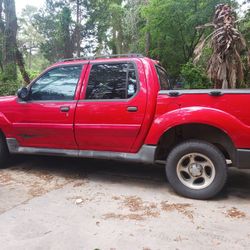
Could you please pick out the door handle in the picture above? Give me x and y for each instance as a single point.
(65, 108)
(132, 109)
(174, 93)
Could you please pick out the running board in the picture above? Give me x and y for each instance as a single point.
(229, 162)
(145, 155)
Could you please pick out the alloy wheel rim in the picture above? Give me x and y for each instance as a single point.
(195, 171)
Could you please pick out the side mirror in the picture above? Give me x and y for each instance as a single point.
(23, 93)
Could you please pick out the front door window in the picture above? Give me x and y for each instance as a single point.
(58, 84)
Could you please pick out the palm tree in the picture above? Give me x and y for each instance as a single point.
(225, 67)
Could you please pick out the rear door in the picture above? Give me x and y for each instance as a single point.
(112, 109)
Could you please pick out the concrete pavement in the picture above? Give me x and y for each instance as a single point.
(57, 203)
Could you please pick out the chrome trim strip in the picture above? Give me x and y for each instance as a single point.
(14, 148)
(205, 91)
(64, 102)
(145, 155)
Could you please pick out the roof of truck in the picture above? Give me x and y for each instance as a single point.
(102, 59)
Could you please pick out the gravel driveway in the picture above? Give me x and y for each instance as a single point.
(57, 203)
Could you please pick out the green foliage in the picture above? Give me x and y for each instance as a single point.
(33, 74)
(194, 76)
(172, 25)
(29, 38)
(8, 87)
(133, 26)
(54, 22)
(61, 23)
(105, 19)
(98, 19)
(119, 26)
(10, 72)
(63, 38)
(244, 27)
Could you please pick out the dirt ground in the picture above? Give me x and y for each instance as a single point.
(57, 203)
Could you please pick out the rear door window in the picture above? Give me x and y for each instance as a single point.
(112, 81)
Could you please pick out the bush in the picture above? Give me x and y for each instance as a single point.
(9, 88)
(33, 74)
(195, 76)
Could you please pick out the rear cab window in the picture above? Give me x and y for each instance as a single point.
(163, 78)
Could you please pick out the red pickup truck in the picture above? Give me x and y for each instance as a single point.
(124, 109)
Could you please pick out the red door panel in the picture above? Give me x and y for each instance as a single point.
(45, 125)
(107, 126)
(46, 119)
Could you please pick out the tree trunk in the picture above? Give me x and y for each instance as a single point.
(9, 40)
(78, 29)
(147, 44)
(1, 17)
(147, 36)
(64, 30)
(114, 43)
(120, 41)
(20, 63)
(1, 33)
(30, 55)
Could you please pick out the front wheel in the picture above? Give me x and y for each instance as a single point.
(196, 169)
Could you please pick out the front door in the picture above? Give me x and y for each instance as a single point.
(112, 109)
(46, 119)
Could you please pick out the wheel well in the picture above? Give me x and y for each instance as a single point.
(208, 133)
(2, 134)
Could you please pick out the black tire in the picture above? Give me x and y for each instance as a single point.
(4, 152)
(177, 178)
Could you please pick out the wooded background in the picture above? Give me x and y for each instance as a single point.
(165, 30)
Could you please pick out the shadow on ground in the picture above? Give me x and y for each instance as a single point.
(238, 184)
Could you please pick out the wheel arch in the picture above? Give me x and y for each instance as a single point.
(199, 131)
(3, 136)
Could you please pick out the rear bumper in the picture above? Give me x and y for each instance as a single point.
(243, 157)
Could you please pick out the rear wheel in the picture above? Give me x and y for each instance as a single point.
(4, 152)
(196, 169)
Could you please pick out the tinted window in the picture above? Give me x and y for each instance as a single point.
(163, 78)
(57, 84)
(112, 81)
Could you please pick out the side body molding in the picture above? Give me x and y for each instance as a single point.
(145, 155)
